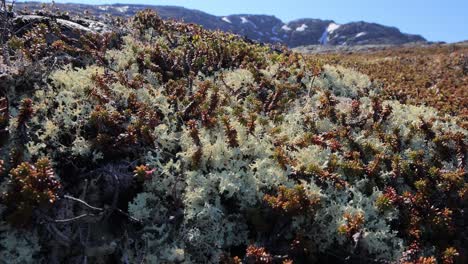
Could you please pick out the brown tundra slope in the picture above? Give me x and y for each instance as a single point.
(433, 75)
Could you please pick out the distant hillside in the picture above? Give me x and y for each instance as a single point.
(262, 28)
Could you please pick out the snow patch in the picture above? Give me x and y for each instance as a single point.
(326, 34)
(332, 27)
(302, 28)
(226, 19)
(360, 34)
(246, 21)
(122, 9)
(286, 28)
(103, 8)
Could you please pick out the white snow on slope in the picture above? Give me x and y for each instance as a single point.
(122, 9)
(332, 27)
(302, 28)
(286, 28)
(246, 21)
(326, 34)
(226, 19)
(360, 34)
(103, 8)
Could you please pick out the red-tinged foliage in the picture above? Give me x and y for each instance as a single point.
(31, 186)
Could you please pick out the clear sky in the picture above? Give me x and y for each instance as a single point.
(436, 20)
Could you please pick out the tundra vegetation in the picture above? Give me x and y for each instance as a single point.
(434, 75)
(161, 142)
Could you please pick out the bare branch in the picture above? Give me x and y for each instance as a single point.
(129, 216)
(71, 219)
(83, 203)
(120, 211)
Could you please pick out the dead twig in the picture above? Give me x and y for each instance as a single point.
(83, 203)
(76, 218)
(113, 208)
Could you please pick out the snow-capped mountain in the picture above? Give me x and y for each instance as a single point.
(260, 28)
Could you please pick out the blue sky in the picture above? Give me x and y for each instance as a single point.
(436, 20)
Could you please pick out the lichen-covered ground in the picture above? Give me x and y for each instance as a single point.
(160, 142)
(435, 75)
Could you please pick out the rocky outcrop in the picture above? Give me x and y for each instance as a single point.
(24, 22)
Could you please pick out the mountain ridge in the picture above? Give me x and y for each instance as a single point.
(261, 28)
